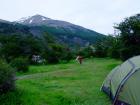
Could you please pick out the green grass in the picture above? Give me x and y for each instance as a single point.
(62, 84)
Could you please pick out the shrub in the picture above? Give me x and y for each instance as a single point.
(53, 58)
(100, 53)
(6, 77)
(21, 64)
(67, 55)
(114, 53)
(129, 52)
(125, 53)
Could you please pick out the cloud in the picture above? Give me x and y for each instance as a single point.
(94, 14)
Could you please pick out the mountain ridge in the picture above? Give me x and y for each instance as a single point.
(40, 20)
(63, 32)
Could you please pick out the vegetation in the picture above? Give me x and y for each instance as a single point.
(21, 64)
(7, 77)
(17, 41)
(109, 47)
(62, 84)
(86, 52)
(14, 46)
(68, 35)
(126, 43)
(130, 36)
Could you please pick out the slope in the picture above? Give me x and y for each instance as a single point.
(64, 32)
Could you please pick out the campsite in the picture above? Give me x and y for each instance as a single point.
(69, 52)
(62, 84)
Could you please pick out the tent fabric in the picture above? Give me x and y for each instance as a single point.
(122, 83)
(131, 90)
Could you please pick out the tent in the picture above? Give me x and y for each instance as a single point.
(123, 83)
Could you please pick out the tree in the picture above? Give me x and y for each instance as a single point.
(7, 77)
(13, 46)
(86, 52)
(55, 52)
(129, 33)
(20, 64)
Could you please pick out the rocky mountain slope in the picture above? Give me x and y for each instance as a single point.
(64, 32)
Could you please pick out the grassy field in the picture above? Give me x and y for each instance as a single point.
(62, 84)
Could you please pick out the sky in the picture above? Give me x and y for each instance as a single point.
(98, 15)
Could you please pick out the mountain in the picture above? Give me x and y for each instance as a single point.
(9, 28)
(64, 32)
(36, 20)
(4, 21)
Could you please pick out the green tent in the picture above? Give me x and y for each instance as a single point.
(123, 83)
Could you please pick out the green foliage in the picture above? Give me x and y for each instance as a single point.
(108, 47)
(86, 52)
(100, 50)
(67, 55)
(55, 52)
(13, 46)
(53, 44)
(114, 53)
(17, 40)
(128, 52)
(125, 44)
(21, 64)
(129, 36)
(7, 77)
(10, 29)
(114, 45)
(60, 33)
(111, 47)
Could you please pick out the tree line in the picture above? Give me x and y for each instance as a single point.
(125, 43)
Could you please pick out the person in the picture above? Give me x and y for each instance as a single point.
(79, 59)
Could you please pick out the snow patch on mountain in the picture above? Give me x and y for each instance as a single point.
(23, 19)
(43, 18)
(31, 21)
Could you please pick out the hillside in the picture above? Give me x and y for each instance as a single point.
(8, 28)
(64, 32)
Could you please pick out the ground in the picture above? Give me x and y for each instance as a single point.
(62, 84)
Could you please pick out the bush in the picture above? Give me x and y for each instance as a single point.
(21, 64)
(129, 52)
(67, 56)
(100, 53)
(100, 50)
(114, 53)
(7, 77)
(125, 53)
(53, 58)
